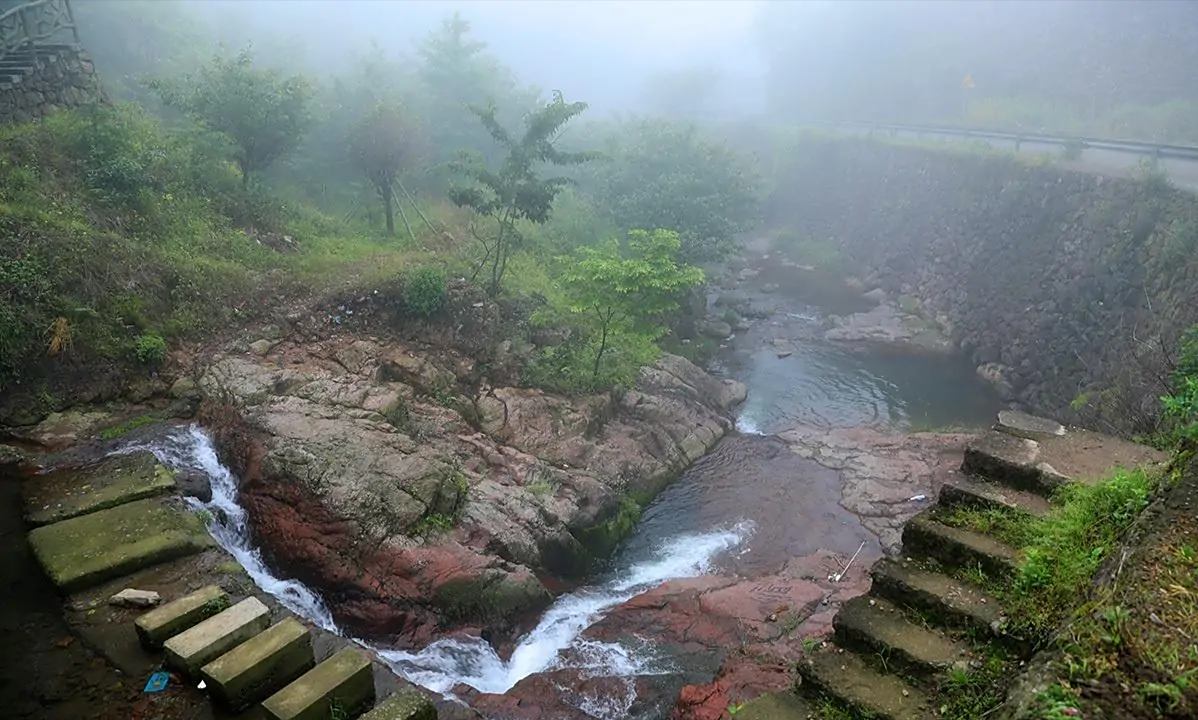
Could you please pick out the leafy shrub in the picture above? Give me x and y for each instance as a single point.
(424, 291)
(150, 349)
(1181, 406)
(664, 175)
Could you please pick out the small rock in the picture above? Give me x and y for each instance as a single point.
(716, 329)
(135, 598)
(785, 354)
(261, 347)
(194, 483)
(769, 288)
(184, 387)
(876, 296)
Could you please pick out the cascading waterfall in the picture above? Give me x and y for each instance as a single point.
(555, 641)
(191, 449)
(472, 661)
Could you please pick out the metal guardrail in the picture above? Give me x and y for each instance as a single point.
(1135, 147)
(25, 25)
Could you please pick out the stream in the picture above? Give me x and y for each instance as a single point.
(742, 510)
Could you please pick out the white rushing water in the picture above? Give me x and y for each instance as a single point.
(474, 662)
(554, 643)
(191, 449)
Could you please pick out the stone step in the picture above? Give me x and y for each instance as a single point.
(200, 644)
(72, 492)
(87, 550)
(344, 682)
(1012, 461)
(404, 705)
(983, 494)
(261, 665)
(160, 624)
(955, 603)
(848, 679)
(925, 537)
(873, 625)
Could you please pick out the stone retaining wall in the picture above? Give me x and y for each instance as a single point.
(1069, 290)
(56, 78)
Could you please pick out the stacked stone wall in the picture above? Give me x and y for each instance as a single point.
(51, 79)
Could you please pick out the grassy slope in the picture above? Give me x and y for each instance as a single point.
(1109, 592)
(114, 229)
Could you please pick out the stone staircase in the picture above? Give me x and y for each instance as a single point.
(120, 519)
(892, 648)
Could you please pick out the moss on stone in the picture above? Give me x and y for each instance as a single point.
(601, 539)
(69, 493)
(89, 549)
(493, 596)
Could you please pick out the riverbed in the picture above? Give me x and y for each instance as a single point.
(742, 512)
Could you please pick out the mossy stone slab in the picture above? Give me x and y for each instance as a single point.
(344, 680)
(87, 550)
(68, 493)
(403, 705)
(261, 665)
(158, 625)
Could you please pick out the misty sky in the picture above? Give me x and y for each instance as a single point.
(602, 52)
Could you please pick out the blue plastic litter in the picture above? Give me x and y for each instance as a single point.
(157, 682)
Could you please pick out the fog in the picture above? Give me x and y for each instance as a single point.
(618, 55)
(1118, 67)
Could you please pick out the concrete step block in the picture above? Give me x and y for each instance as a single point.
(87, 550)
(849, 679)
(261, 665)
(155, 627)
(201, 644)
(342, 684)
(116, 480)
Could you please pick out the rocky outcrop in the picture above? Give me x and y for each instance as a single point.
(417, 503)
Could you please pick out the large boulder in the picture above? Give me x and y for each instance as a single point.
(418, 505)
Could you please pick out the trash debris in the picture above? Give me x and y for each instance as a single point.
(157, 682)
(917, 498)
(202, 685)
(837, 576)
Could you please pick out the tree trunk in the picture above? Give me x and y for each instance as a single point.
(599, 354)
(245, 179)
(389, 209)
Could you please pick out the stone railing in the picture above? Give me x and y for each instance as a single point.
(34, 22)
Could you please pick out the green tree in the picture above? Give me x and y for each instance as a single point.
(380, 145)
(666, 175)
(516, 192)
(262, 113)
(626, 289)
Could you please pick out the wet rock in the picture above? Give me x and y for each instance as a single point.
(1027, 426)
(876, 296)
(717, 329)
(415, 507)
(888, 325)
(193, 483)
(1000, 376)
(184, 388)
(882, 471)
(60, 429)
(130, 597)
